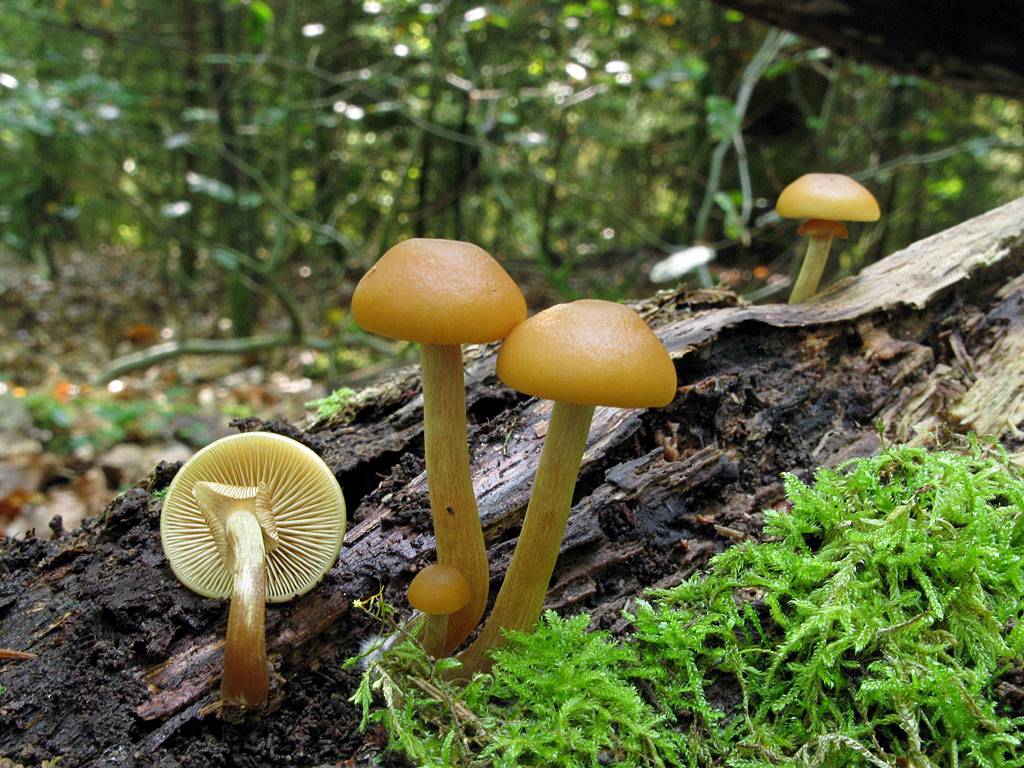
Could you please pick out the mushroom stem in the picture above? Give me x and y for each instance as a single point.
(521, 596)
(459, 537)
(245, 680)
(807, 281)
(434, 636)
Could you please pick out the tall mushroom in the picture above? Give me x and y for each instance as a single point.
(826, 200)
(582, 354)
(443, 294)
(257, 518)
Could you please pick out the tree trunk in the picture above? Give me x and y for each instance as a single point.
(972, 45)
(125, 661)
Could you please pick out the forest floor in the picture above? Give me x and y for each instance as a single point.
(71, 442)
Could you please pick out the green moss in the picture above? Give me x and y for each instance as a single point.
(337, 402)
(871, 627)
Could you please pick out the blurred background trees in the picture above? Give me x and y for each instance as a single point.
(213, 176)
(236, 145)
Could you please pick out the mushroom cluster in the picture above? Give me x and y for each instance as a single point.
(444, 293)
(260, 518)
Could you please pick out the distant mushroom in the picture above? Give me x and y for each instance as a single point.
(826, 200)
(582, 354)
(438, 591)
(675, 265)
(442, 294)
(255, 517)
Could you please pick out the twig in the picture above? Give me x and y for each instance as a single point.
(460, 709)
(161, 352)
(13, 655)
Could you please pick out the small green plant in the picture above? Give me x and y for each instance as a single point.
(336, 402)
(872, 627)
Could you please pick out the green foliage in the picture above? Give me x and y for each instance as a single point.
(871, 627)
(100, 422)
(335, 403)
(243, 144)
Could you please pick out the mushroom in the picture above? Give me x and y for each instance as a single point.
(442, 294)
(438, 591)
(826, 200)
(580, 355)
(255, 517)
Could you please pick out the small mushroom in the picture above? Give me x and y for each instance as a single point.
(438, 591)
(582, 354)
(442, 294)
(255, 517)
(826, 200)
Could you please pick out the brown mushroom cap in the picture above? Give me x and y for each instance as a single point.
(438, 292)
(278, 478)
(831, 196)
(439, 590)
(588, 352)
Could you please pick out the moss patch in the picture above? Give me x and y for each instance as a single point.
(878, 623)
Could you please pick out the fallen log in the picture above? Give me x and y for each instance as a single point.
(111, 662)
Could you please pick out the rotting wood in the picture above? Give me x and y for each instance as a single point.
(763, 389)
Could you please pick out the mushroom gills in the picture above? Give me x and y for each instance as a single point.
(254, 518)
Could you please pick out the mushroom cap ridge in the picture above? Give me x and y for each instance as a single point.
(589, 352)
(438, 292)
(305, 500)
(830, 196)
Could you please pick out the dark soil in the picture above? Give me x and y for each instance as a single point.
(108, 609)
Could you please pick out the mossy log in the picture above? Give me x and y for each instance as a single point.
(107, 660)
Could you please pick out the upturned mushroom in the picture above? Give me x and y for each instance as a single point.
(826, 200)
(256, 518)
(443, 294)
(580, 355)
(438, 591)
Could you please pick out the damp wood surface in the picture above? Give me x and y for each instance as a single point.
(115, 663)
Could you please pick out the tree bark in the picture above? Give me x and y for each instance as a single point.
(972, 45)
(127, 661)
